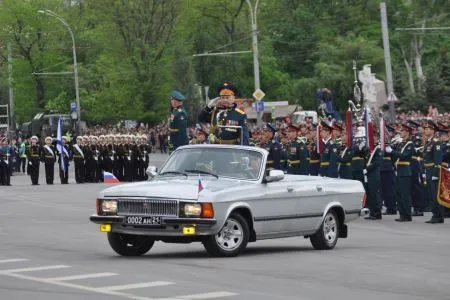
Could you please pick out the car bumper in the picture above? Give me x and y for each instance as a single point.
(170, 227)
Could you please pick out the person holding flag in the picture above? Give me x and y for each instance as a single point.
(63, 153)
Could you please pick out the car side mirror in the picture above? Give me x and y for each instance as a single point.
(274, 175)
(151, 171)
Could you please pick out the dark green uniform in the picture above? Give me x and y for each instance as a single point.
(314, 160)
(432, 158)
(297, 157)
(178, 128)
(372, 172)
(402, 156)
(328, 160)
(345, 163)
(358, 163)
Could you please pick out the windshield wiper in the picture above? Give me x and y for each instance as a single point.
(174, 173)
(203, 172)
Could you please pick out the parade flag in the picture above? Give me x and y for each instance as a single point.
(369, 129)
(319, 139)
(349, 127)
(200, 186)
(382, 135)
(443, 195)
(109, 178)
(59, 145)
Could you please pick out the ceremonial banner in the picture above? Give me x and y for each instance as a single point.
(319, 139)
(382, 135)
(443, 196)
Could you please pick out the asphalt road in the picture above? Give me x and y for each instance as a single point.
(49, 250)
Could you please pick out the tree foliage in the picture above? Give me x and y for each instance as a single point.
(131, 53)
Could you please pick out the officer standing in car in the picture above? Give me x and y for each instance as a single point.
(177, 122)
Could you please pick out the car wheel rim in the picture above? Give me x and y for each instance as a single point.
(330, 228)
(230, 236)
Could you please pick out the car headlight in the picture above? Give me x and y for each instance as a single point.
(192, 210)
(109, 206)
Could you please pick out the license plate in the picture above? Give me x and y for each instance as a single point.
(138, 220)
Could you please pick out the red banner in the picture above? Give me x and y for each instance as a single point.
(319, 139)
(443, 196)
(349, 128)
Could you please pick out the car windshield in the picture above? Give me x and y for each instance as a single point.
(216, 162)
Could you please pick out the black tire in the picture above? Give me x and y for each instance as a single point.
(221, 244)
(328, 234)
(129, 245)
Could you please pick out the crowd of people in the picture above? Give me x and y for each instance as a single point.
(402, 176)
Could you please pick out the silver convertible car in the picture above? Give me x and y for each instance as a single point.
(222, 196)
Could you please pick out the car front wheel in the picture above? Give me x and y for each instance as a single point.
(129, 245)
(327, 236)
(231, 240)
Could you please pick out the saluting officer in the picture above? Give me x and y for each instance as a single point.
(48, 156)
(177, 122)
(223, 111)
(402, 156)
(432, 158)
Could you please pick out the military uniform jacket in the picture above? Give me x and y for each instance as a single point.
(402, 156)
(345, 163)
(432, 158)
(275, 156)
(297, 153)
(445, 154)
(374, 163)
(358, 162)
(77, 151)
(48, 154)
(67, 155)
(33, 152)
(387, 163)
(328, 160)
(5, 154)
(177, 127)
(416, 166)
(226, 117)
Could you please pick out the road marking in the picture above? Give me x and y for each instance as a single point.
(4, 261)
(34, 269)
(206, 296)
(82, 276)
(134, 286)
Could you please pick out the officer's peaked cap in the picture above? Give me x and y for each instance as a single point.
(227, 88)
(177, 95)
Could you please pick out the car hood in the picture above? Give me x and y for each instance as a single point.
(171, 188)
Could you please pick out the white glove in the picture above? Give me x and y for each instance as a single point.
(388, 149)
(30, 163)
(213, 102)
(434, 178)
(424, 176)
(365, 172)
(362, 145)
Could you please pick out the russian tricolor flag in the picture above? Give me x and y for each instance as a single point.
(200, 185)
(109, 178)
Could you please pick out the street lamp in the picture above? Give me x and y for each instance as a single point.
(74, 53)
(255, 53)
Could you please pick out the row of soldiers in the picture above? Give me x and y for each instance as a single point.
(404, 176)
(124, 156)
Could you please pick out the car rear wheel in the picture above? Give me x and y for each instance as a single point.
(327, 236)
(231, 240)
(129, 245)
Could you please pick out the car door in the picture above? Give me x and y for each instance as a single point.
(279, 208)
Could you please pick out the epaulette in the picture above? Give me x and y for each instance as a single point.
(240, 111)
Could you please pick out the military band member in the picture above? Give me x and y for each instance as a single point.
(402, 156)
(177, 122)
(78, 160)
(432, 158)
(48, 157)
(297, 152)
(345, 160)
(34, 158)
(223, 111)
(417, 196)
(388, 180)
(328, 157)
(372, 173)
(4, 162)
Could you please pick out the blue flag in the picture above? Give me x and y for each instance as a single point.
(59, 145)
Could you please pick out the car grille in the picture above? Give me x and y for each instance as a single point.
(148, 207)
